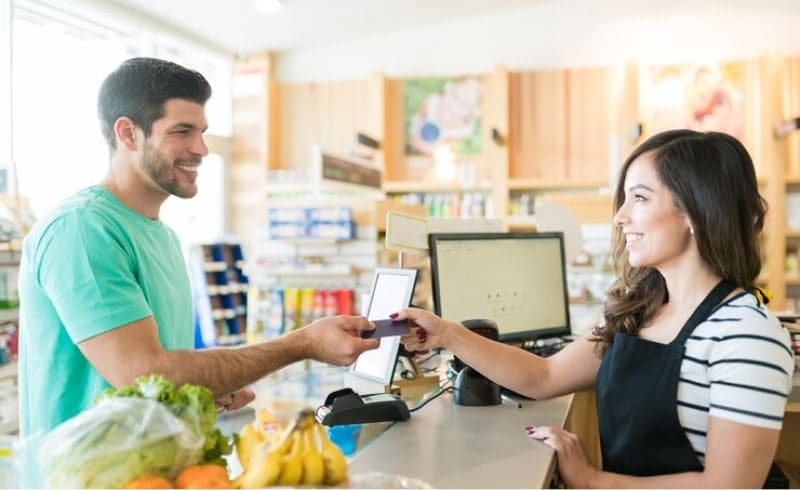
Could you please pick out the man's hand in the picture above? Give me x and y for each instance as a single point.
(235, 400)
(336, 339)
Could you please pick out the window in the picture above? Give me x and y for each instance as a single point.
(57, 145)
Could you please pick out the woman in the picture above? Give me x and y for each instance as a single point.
(688, 359)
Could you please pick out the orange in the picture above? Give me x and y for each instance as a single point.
(149, 481)
(203, 476)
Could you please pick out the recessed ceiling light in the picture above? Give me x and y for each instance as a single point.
(269, 6)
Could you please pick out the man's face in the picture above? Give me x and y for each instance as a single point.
(173, 151)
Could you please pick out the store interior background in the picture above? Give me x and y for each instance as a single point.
(319, 71)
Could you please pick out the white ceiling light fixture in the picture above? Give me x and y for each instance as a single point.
(269, 6)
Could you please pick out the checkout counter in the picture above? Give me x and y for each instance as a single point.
(452, 446)
(442, 444)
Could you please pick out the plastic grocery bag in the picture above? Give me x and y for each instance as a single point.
(115, 442)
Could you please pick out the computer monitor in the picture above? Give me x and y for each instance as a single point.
(516, 279)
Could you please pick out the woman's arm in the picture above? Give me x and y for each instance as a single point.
(573, 368)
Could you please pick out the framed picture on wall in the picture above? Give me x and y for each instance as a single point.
(707, 97)
(443, 112)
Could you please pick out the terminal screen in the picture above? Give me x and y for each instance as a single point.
(516, 279)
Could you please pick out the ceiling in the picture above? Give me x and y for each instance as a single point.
(237, 26)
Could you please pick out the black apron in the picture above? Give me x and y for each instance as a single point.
(637, 406)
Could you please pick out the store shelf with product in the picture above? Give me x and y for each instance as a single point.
(316, 253)
(220, 290)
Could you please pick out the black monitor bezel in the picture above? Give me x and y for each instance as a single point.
(523, 335)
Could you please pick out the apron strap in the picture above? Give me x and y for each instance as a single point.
(720, 291)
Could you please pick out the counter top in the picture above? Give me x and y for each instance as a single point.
(451, 446)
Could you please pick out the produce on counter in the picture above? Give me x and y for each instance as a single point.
(203, 476)
(191, 403)
(149, 481)
(149, 429)
(302, 454)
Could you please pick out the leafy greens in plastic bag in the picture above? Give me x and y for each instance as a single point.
(149, 427)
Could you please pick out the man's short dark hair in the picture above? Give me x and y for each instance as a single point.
(138, 90)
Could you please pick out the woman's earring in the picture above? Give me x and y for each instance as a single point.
(691, 231)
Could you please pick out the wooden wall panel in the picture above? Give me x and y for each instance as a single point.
(300, 124)
(751, 134)
(792, 98)
(590, 122)
(496, 153)
(773, 156)
(538, 112)
(254, 144)
(396, 167)
(321, 113)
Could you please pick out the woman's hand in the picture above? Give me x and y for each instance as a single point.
(428, 331)
(573, 465)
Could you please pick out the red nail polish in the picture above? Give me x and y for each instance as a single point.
(529, 427)
(394, 315)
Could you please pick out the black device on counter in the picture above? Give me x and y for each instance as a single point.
(345, 406)
(471, 387)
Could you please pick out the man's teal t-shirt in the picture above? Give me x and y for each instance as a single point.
(91, 266)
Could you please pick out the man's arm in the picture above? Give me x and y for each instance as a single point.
(124, 353)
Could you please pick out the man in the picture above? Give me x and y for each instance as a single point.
(104, 292)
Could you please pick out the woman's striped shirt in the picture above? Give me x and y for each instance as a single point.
(737, 366)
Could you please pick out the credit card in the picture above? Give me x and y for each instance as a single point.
(387, 328)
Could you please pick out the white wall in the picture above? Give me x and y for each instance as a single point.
(563, 33)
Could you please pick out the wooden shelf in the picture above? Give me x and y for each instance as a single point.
(540, 184)
(400, 186)
(521, 222)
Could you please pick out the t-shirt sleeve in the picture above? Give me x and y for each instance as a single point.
(750, 369)
(87, 269)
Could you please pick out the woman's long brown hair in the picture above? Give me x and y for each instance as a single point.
(712, 179)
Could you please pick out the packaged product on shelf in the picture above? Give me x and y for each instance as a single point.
(330, 303)
(275, 315)
(291, 308)
(306, 306)
(344, 299)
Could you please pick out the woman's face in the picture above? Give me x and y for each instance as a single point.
(656, 232)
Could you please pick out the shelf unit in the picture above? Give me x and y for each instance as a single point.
(220, 290)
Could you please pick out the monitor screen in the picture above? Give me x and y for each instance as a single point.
(391, 292)
(516, 279)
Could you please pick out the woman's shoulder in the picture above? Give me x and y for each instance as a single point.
(744, 313)
(744, 324)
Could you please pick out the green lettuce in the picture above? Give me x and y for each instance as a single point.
(149, 427)
(191, 403)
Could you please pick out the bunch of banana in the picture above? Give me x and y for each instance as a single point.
(302, 455)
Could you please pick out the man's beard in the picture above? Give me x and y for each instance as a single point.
(162, 172)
